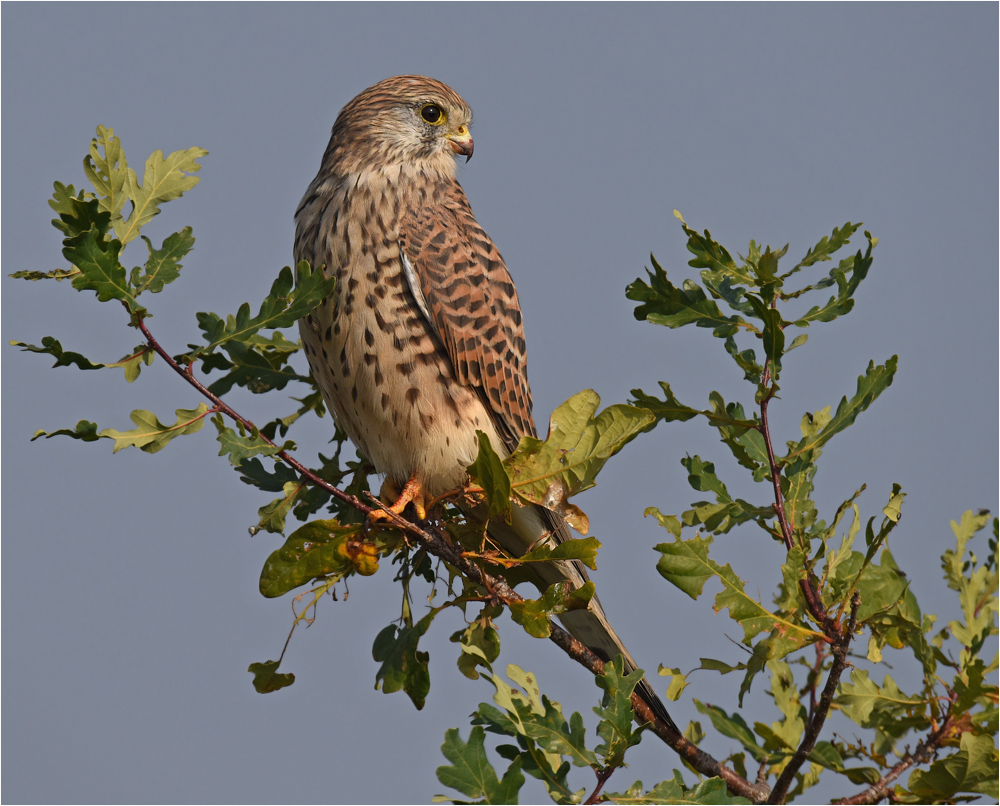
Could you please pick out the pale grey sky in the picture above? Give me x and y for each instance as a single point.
(130, 603)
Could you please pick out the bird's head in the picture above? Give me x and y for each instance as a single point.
(403, 120)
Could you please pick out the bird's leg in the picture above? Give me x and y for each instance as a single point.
(412, 493)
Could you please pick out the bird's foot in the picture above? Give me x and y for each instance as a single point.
(412, 493)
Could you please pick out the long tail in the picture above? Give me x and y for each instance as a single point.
(591, 626)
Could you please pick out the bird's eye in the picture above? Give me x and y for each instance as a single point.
(433, 114)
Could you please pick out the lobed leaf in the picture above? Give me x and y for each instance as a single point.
(686, 564)
(668, 410)
(77, 213)
(471, 773)
(63, 358)
(973, 769)
(480, 647)
(976, 584)
(668, 522)
(709, 253)
(535, 614)
(827, 245)
(870, 385)
(273, 515)
(84, 430)
(746, 360)
(132, 364)
(740, 434)
(283, 307)
(726, 512)
(164, 179)
(266, 678)
(150, 435)
(868, 704)
(583, 549)
(108, 172)
(240, 447)
(662, 303)
(488, 470)
(772, 332)
(576, 448)
(56, 274)
(163, 265)
(404, 667)
(847, 276)
(100, 270)
(616, 727)
(536, 721)
(785, 733)
(252, 472)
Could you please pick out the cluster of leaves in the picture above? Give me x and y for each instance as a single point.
(548, 746)
(833, 587)
(826, 568)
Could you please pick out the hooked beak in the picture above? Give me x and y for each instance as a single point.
(461, 142)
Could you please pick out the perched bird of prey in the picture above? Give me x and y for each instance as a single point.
(420, 344)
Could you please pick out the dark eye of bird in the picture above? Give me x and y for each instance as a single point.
(431, 113)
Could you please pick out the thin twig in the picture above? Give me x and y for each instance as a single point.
(224, 408)
(814, 676)
(812, 597)
(924, 754)
(818, 717)
(602, 777)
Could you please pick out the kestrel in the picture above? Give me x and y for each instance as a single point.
(421, 343)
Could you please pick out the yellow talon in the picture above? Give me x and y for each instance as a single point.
(412, 493)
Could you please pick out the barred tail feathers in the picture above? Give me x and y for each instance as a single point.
(591, 627)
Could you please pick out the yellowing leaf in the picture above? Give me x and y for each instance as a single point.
(577, 446)
(686, 564)
(151, 435)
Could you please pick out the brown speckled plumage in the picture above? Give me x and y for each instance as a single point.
(421, 343)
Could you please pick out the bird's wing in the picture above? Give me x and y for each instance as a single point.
(462, 286)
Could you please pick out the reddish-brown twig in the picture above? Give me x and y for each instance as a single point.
(818, 717)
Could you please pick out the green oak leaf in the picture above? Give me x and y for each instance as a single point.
(84, 430)
(312, 551)
(471, 773)
(616, 728)
(488, 470)
(100, 270)
(870, 385)
(163, 265)
(287, 302)
(576, 448)
(404, 667)
(973, 769)
(663, 303)
(686, 564)
(150, 435)
(535, 614)
(480, 647)
(266, 678)
(132, 364)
